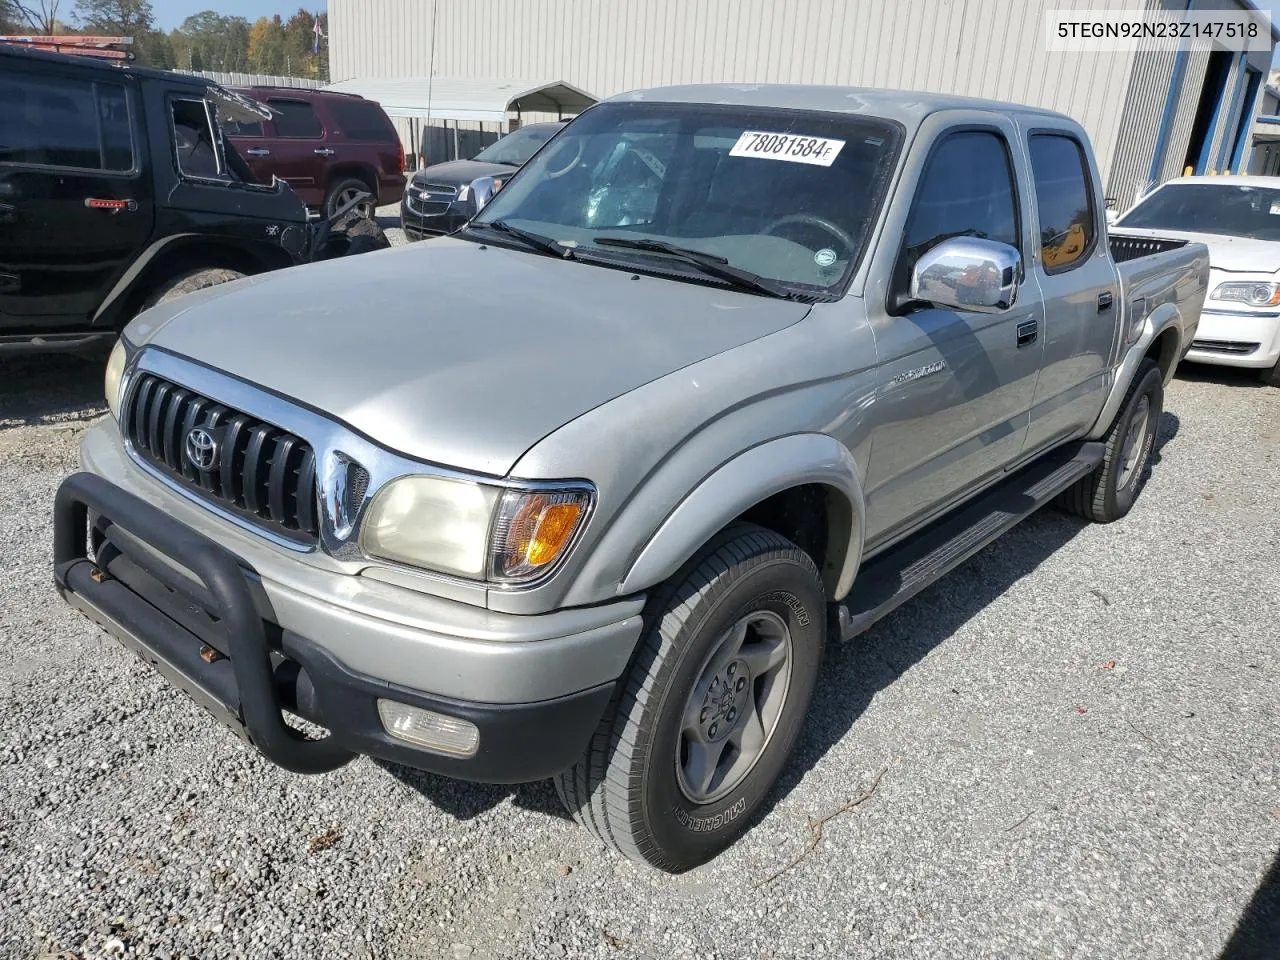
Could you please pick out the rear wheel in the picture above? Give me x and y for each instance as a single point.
(344, 192)
(706, 718)
(190, 282)
(1109, 492)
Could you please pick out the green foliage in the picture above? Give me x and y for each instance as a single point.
(271, 45)
(206, 41)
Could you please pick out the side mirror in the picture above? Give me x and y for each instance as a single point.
(968, 273)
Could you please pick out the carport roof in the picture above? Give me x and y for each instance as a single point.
(451, 99)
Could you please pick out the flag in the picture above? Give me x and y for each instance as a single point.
(315, 47)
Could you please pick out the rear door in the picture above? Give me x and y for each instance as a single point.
(299, 154)
(955, 387)
(75, 209)
(1080, 286)
(364, 137)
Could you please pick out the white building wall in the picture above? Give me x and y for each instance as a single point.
(987, 48)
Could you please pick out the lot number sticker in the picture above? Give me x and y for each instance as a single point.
(818, 151)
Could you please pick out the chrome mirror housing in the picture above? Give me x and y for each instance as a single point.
(968, 273)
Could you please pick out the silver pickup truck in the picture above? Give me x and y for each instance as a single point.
(581, 491)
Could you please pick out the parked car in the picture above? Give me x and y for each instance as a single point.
(1238, 219)
(720, 367)
(442, 197)
(117, 193)
(330, 147)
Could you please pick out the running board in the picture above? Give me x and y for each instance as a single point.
(895, 577)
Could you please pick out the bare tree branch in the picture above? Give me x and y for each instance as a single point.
(42, 17)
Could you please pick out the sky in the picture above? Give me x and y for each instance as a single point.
(171, 13)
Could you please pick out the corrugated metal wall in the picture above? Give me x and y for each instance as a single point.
(990, 48)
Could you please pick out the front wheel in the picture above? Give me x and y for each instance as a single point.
(1271, 375)
(707, 716)
(1109, 492)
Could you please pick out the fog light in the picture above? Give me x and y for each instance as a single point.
(429, 729)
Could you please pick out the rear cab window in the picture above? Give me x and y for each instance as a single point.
(1064, 200)
(295, 119)
(360, 120)
(967, 189)
(55, 121)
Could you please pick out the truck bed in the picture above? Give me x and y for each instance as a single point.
(1125, 248)
(1155, 271)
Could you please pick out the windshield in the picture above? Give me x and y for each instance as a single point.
(1233, 209)
(784, 194)
(516, 148)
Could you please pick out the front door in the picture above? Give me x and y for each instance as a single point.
(74, 208)
(954, 387)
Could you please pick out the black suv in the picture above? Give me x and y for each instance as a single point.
(117, 191)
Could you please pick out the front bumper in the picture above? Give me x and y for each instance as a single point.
(205, 632)
(1237, 338)
(445, 216)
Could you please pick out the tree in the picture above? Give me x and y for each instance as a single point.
(117, 18)
(266, 46)
(40, 16)
(214, 42)
(299, 46)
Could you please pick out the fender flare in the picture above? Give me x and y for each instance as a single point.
(125, 284)
(741, 483)
(1163, 318)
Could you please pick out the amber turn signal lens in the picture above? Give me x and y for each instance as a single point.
(534, 529)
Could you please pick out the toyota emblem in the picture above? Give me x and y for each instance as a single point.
(202, 449)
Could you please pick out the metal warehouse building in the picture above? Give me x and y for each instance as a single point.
(1151, 115)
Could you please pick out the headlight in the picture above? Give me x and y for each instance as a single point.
(115, 371)
(1255, 294)
(473, 530)
(431, 522)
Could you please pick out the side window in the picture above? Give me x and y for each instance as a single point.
(194, 141)
(966, 190)
(296, 120)
(61, 122)
(361, 120)
(1064, 199)
(117, 130)
(233, 129)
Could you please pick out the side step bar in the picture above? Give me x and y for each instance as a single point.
(893, 578)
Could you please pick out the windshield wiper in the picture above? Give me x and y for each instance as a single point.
(529, 238)
(708, 263)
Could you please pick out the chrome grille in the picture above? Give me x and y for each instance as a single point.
(259, 472)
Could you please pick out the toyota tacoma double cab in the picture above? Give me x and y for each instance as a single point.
(721, 371)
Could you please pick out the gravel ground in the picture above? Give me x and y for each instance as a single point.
(1078, 732)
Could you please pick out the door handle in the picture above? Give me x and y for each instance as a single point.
(111, 206)
(1105, 300)
(1028, 330)
(257, 152)
(323, 152)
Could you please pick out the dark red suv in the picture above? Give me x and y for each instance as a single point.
(327, 146)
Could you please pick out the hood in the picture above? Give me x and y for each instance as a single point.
(1236, 254)
(458, 172)
(454, 353)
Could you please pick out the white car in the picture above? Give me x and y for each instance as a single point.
(1238, 218)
